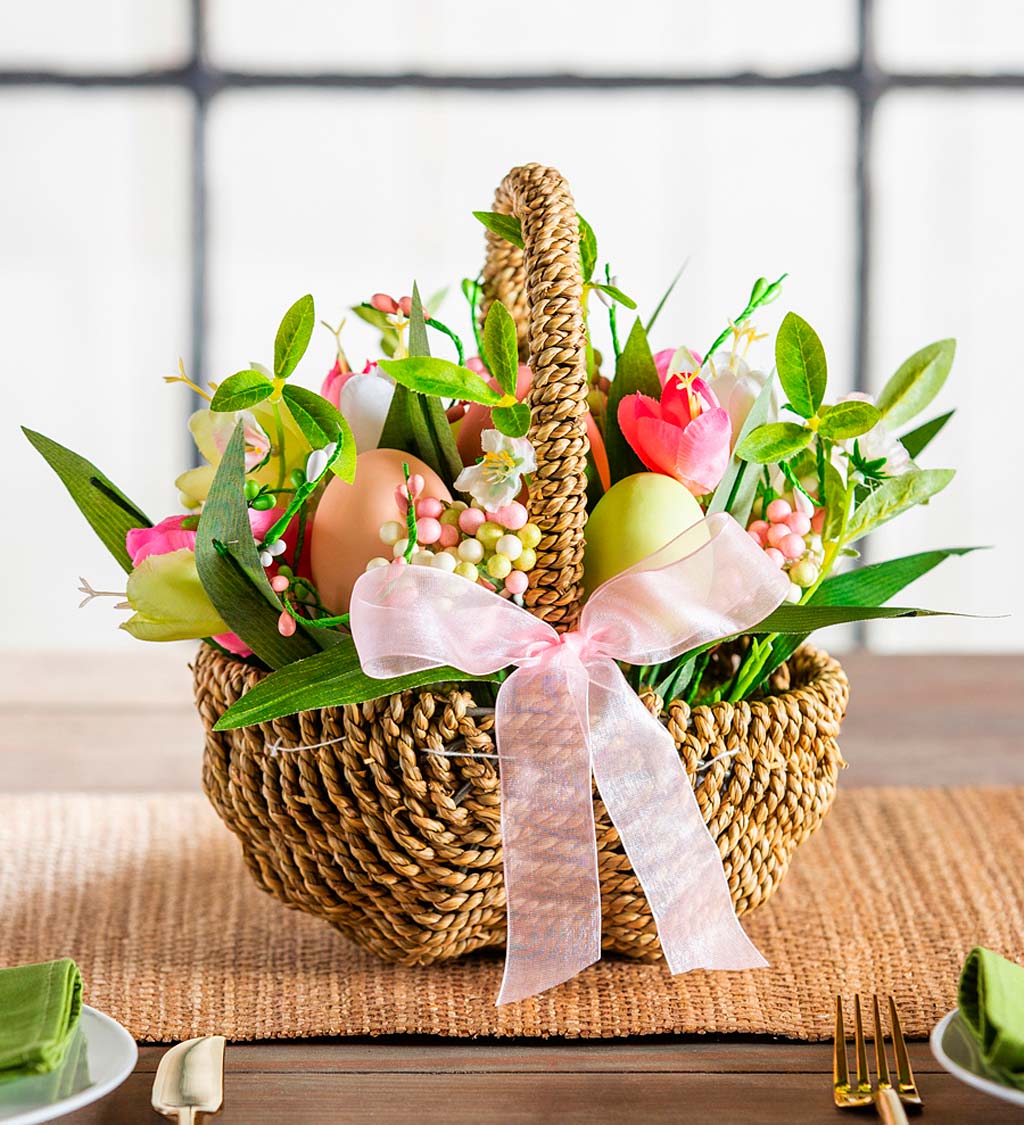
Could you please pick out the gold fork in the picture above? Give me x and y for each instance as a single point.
(887, 1099)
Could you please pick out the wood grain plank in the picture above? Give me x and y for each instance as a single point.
(516, 1099)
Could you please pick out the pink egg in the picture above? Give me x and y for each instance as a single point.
(793, 546)
(776, 533)
(471, 519)
(778, 510)
(345, 533)
(429, 530)
(798, 523)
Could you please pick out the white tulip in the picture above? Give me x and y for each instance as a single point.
(365, 400)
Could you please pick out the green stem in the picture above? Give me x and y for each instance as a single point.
(612, 322)
(281, 466)
(769, 295)
(445, 330)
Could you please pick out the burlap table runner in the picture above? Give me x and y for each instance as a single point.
(149, 894)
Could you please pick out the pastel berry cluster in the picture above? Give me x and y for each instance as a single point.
(791, 538)
(497, 549)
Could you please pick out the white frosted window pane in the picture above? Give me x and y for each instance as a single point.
(93, 284)
(947, 241)
(930, 35)
(596, 36)
(100, 34)
(378, 189)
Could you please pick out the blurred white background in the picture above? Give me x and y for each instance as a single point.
(176, 173)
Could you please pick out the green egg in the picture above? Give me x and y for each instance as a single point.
(636, 517)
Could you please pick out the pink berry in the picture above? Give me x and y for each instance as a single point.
(383, 303)
(428, 507)
(471, 519)
(429, 530)
(818, 521)
(760, 526)
(793, 546)
(405, 304)
(798, 523)
(286, 624)
(513, 516)
(449, 535)
(279, 583)
(756, 535)
(776, 533)
(776, 556)
(516, 582)
(778, 510)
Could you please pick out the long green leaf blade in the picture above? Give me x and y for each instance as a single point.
(919, 439)
(505, 226)
(230, 570)
(894, 496)
(328, 679)
(736, 490)
(106, 508)
(635, 372)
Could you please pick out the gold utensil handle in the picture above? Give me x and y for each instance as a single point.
(891, 1111)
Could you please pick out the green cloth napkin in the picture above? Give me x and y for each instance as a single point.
(992, 1005)
(39, 1010)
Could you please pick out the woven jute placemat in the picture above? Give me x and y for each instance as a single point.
(150, 896)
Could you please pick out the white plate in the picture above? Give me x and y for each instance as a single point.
(954, 1047)
(99, 1059)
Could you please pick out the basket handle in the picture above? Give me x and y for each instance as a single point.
(542, 287)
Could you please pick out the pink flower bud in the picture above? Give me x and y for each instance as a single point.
(383, 303)
(286, 624)
(279, 583)
(416, 485)
(405, 304)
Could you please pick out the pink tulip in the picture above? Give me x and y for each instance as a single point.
(663, 361)
(172, 534)
(334, 380)
(686, 435)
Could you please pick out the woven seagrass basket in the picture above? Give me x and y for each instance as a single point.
(399, 846)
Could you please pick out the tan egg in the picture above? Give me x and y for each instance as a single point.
(346, 528)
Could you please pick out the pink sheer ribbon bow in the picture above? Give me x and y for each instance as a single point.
(567, 710)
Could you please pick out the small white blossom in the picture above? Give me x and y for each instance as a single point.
(497, 478)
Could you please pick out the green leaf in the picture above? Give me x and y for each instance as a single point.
(916, 441)
(241, 391)
(230, 571)
(616, 294)
(418, 344)
(665, 296)
(837, 504)
(429, 376)
(588, 249)
(800, 360)
(867, 586)
(504, 226)
(894, 496)
(109, 512)
(513, 421)
(774, 442)
(322, 424)
(634, 373)
(848, 420)
(737, 488)
(293, 336)
(917, 381)
(417, 423)
(502, 347)
(328, 679)
(807, 618)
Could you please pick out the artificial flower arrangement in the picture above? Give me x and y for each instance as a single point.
(401, 531)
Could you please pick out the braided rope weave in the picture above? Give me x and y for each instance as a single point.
(400, 848)
(388, 825)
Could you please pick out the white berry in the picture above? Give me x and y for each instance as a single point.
(422, 558)
(373, 564)
(471, 550)
(391, 532)
(511, 546)
(444, 561)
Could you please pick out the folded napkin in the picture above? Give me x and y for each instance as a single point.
(992, 1006)
(39, 1009)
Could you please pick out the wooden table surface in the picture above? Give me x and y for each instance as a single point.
(72, 723)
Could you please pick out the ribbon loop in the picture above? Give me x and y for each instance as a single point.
(567, 711)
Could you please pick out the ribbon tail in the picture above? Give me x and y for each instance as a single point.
(651, 802)
(547, 828)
